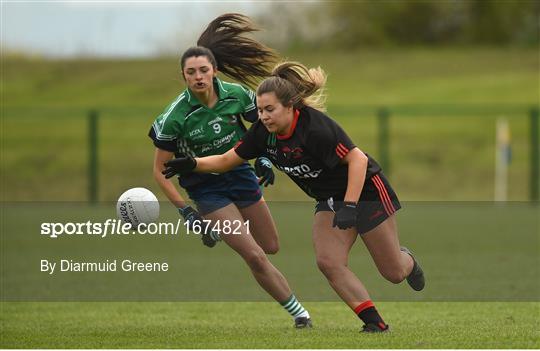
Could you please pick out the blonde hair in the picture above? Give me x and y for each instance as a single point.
(295, 84)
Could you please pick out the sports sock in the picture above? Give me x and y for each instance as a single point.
(294, 307)
(367, 312)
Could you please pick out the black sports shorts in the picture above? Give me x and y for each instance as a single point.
(378, 201)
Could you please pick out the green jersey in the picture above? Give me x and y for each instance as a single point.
(187, 127)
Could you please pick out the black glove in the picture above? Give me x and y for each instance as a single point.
(179, 166)
(345, 217)
(191, 217)
(263, 170)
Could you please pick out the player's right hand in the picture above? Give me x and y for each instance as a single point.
(345, 217)
(180, 165)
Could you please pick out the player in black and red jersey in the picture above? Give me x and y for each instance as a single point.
(353, 196)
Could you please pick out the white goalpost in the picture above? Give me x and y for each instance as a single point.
(503, 157)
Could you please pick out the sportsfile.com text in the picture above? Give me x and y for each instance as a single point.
(117, 227)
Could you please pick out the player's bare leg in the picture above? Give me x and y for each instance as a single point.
(262, 226)
(268, 276)
(264, 272)
(383, 244)
(332, 247)
(395, 263)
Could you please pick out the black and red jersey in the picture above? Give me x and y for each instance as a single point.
(310, 154)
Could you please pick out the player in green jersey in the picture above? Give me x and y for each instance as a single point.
(207, 119)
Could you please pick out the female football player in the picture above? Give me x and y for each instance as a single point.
(206, 119)
(353, 196)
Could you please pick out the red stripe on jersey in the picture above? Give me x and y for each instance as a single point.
(238, 144)
(340, 153)
(363, 306)
(293, 126)
(343, 147)
(341, 150)
(383, 194)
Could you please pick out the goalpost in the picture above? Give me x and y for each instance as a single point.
(503, 157)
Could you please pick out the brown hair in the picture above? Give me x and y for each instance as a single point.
(294, 84)
(228, 50)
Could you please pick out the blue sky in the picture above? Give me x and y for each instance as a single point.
(107, 28)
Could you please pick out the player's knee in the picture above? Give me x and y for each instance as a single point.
(256, 260)
(328, 266)
(393, 275)
(271, 248)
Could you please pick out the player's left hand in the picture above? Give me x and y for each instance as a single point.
(180, 165)
(263, 170)
(193, 219)
(345, 217)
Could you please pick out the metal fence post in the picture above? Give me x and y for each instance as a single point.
(93, 156)
(534, 182)
(383, 115)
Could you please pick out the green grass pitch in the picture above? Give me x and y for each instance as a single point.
(264, 325)
(470, 253)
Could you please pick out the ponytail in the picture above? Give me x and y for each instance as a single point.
(231, 52)
(294, 84)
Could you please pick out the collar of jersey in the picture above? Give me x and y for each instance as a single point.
(293, 127)
(222, 93)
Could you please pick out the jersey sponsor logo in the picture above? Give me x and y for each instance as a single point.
(216, 120)
(294, 153)
(206, 147)
(272, 152)
(196, 131)
(224, 140)
(233, 121)
(301, 171)
(217, 143)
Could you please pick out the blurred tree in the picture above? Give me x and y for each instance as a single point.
(398, 22)
(290, 26)
(502, 22)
